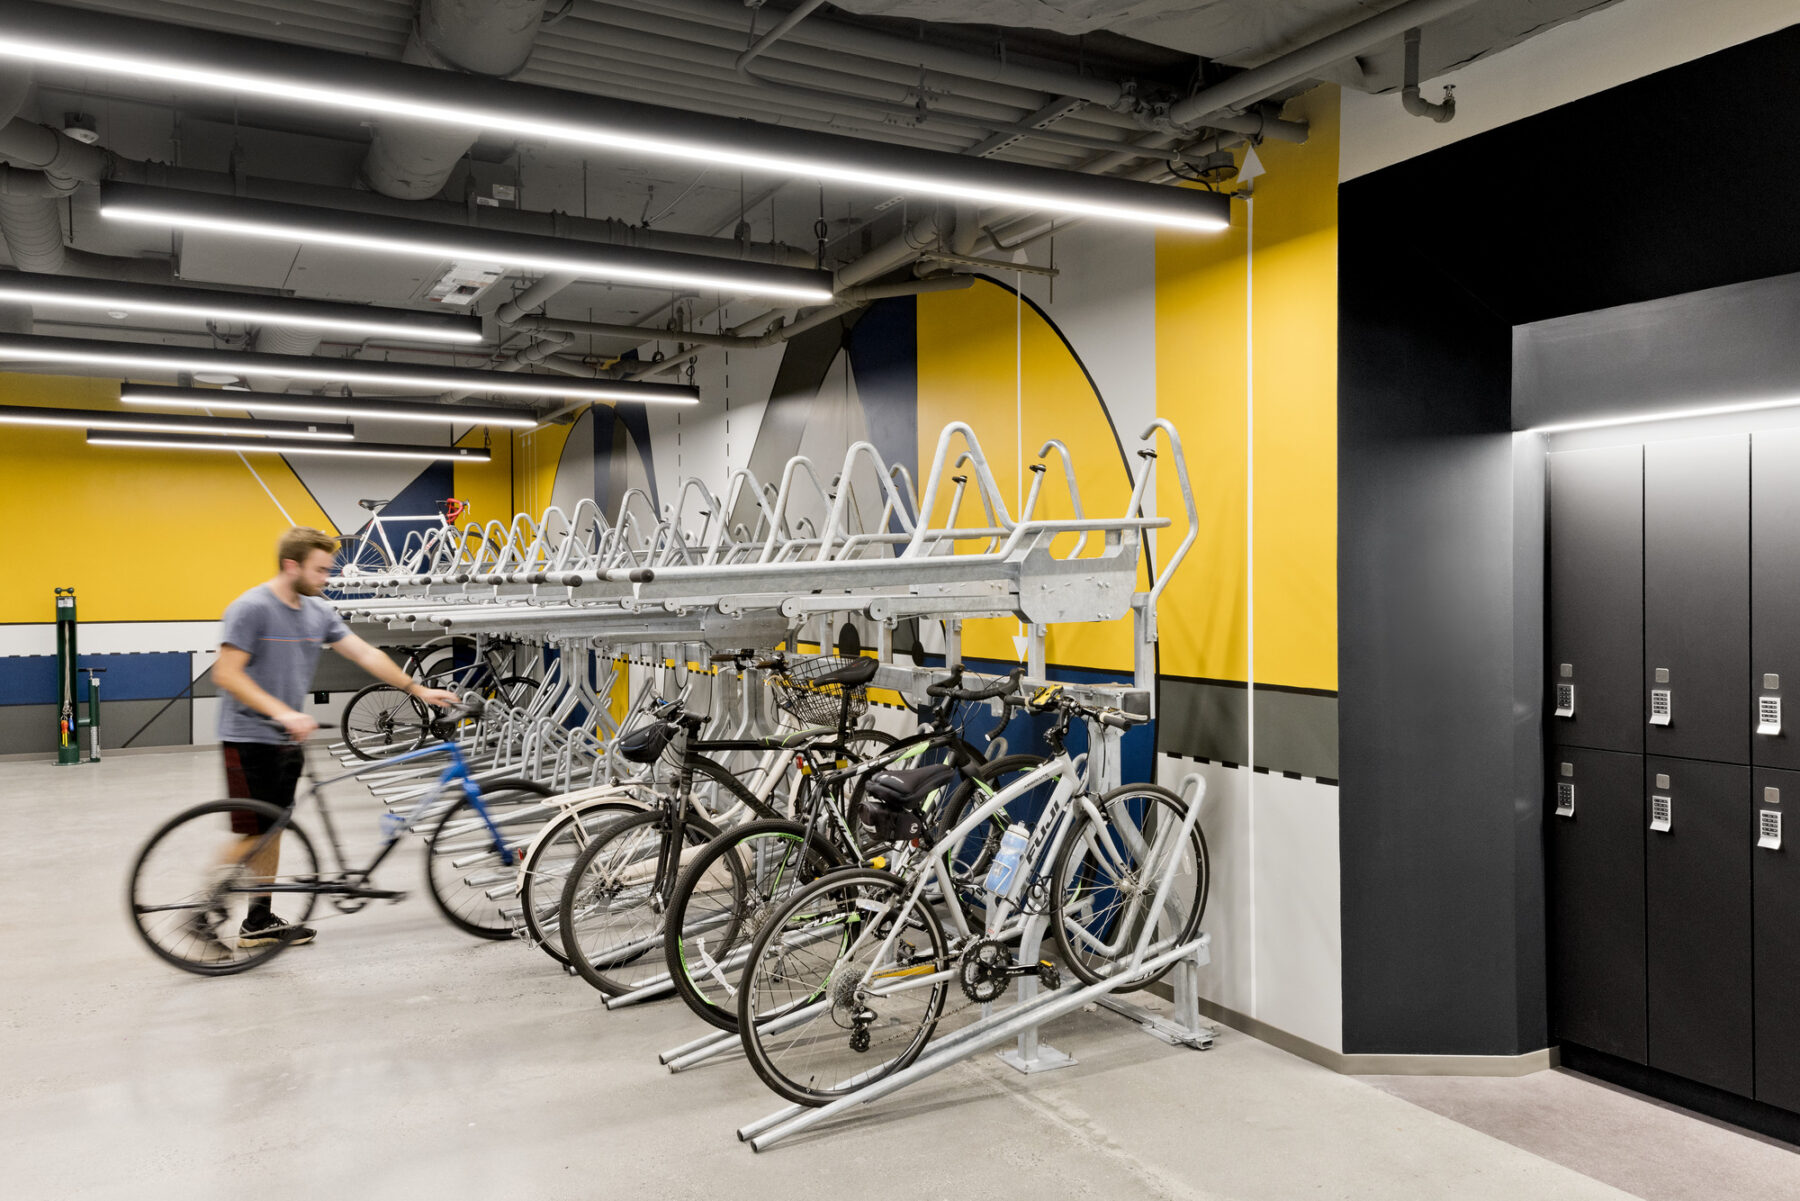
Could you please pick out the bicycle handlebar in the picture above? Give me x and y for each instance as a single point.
(951, 686)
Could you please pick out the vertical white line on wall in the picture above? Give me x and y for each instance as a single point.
(1250, 564)
(1019, 394)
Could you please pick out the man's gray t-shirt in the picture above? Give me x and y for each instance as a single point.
(284, 646)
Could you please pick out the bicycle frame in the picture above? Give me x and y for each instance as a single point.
(456, 771)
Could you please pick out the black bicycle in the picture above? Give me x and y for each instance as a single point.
(381, 721)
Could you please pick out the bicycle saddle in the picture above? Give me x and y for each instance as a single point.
(375, 506)
(851, 675)
(646, 743)
(910, 786)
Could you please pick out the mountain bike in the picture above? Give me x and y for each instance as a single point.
(191, 883)
(847, 981)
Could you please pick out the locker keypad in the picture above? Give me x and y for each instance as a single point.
(1768, 830)
(1565, 800)
(1565, 700)
(1659, 706)
(1768, 715)
(1662, 813)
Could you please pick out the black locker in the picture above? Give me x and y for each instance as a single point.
(1697, 598)
(1697, 929)
(1596, 609)
(1596, 885)
(1774, 594)
(1776, 875)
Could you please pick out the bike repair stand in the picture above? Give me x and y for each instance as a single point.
(68, 683)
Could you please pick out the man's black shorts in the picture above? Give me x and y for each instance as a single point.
(261, 771)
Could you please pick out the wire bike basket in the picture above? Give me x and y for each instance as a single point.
(804, 703)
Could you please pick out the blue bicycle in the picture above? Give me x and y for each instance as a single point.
(195, 879)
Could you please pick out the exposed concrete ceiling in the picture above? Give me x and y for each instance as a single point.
(870, 68)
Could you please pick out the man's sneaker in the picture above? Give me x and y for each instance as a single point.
(259, 930)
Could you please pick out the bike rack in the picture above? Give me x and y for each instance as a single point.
(760, 565)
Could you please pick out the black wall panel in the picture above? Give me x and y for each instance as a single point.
(1697, 927)
(1596, 605)
(1776, 892)
(1596, 883)
(1775, 589)
(1697, 595)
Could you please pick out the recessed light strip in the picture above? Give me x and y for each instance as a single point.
(285, 446)
(200, 304)
(173, 57)
(28, 352)
(278, 221)
(1748, 406)
(373, 408)
(171, 423)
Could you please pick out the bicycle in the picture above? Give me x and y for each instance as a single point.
(380, 720)
(369, 551)
(191, 884)
(860, 958)
(741, 876)
(616, 895)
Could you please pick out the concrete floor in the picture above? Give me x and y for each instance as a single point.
(396, 1058)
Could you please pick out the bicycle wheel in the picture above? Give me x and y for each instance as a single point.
(191, 885)
(1107, 874)
(613, 902)
(722, 901)
(547, 865)
(380, 721)
(358, 556)
(836, 994)
(470, 873)
(515, 692)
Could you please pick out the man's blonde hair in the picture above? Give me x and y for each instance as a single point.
(301, 541)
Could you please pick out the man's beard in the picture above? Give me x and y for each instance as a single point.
(305, 589)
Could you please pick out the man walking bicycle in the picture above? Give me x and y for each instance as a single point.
(269, 648)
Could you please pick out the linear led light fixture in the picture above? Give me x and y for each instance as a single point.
(200, 304)
(173, 57)
(28, 352)
(1749, 406)
(287, 446)
(279, 221)
(374, 408)
(172, 423)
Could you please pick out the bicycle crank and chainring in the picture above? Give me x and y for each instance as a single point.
(986, 968)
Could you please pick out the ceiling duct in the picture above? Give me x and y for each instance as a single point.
(410, 159)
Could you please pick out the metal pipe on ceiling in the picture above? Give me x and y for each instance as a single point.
(838, 36)
(412, 159)
(1308, 60)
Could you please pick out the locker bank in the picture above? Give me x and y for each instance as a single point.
(669, 597)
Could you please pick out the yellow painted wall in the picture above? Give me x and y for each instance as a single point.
(1203, 298)
(488, 487)
(986, 359)
(142, 535)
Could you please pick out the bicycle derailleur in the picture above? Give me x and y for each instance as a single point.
(987, 967)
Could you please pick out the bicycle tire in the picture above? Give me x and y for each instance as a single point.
(791, 943)
(459, 873)
(1094, 879)
(545, 869)
(515, 692)
(373, 729)
(693, 958)
(617, 875)
(224, 959)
